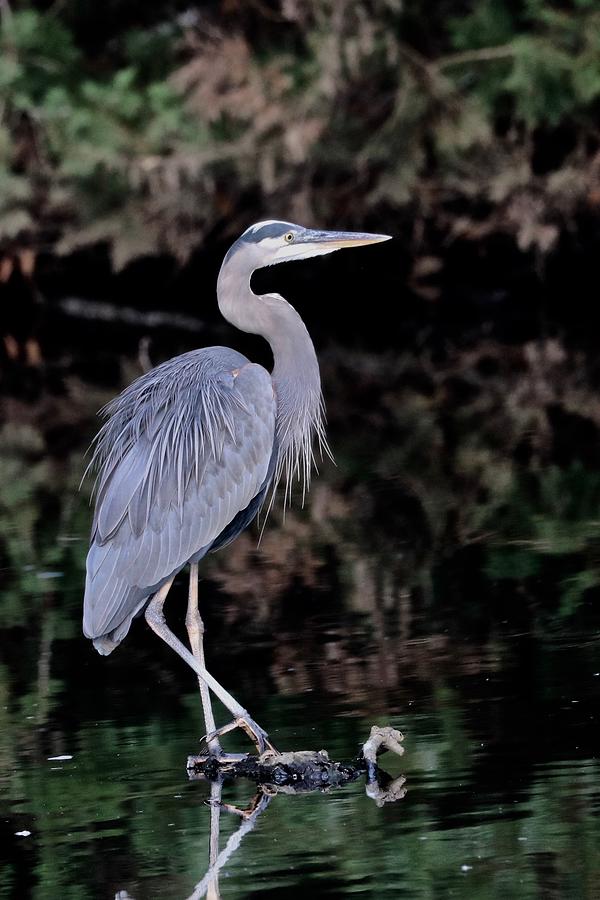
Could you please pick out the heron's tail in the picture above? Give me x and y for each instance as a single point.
(105, 645)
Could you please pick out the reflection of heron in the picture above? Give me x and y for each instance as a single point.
(191, 448)
(209, 885)
(288, 779)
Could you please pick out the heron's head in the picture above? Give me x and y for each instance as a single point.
(274, 242)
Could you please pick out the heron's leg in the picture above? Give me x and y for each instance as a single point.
(195, 630)
(155, 618)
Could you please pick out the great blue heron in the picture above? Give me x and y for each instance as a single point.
(190, 449)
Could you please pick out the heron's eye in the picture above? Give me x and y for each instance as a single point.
(289, 237)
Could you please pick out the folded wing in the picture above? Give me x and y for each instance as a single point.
(185, 449)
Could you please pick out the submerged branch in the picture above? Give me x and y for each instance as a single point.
(304, 770)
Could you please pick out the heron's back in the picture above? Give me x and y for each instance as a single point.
(183, 460)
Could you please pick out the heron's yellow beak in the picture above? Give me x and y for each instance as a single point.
(337, 240)
(310, 243)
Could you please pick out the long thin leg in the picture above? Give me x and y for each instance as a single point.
(155, 618)
(195, 630)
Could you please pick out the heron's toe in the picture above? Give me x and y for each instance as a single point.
(257, 735)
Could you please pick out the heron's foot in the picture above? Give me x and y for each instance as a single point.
(257, 735)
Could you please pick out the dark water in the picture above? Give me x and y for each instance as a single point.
(501, 765)
(449, 593)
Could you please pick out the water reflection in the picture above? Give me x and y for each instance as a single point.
(209, 884)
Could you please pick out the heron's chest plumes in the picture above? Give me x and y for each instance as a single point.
(300, 419)
(300, 425)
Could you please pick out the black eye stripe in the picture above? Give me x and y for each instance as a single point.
(267, 231)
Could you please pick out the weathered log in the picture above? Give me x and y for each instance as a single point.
(309, 770)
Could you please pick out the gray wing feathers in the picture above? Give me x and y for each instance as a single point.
(166, 491)
(117, 494)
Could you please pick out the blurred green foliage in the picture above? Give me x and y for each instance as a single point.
(74, 140)
(43, 523)
(548, 58)
(151, 136)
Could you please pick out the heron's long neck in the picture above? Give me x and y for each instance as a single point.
(296, 378)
